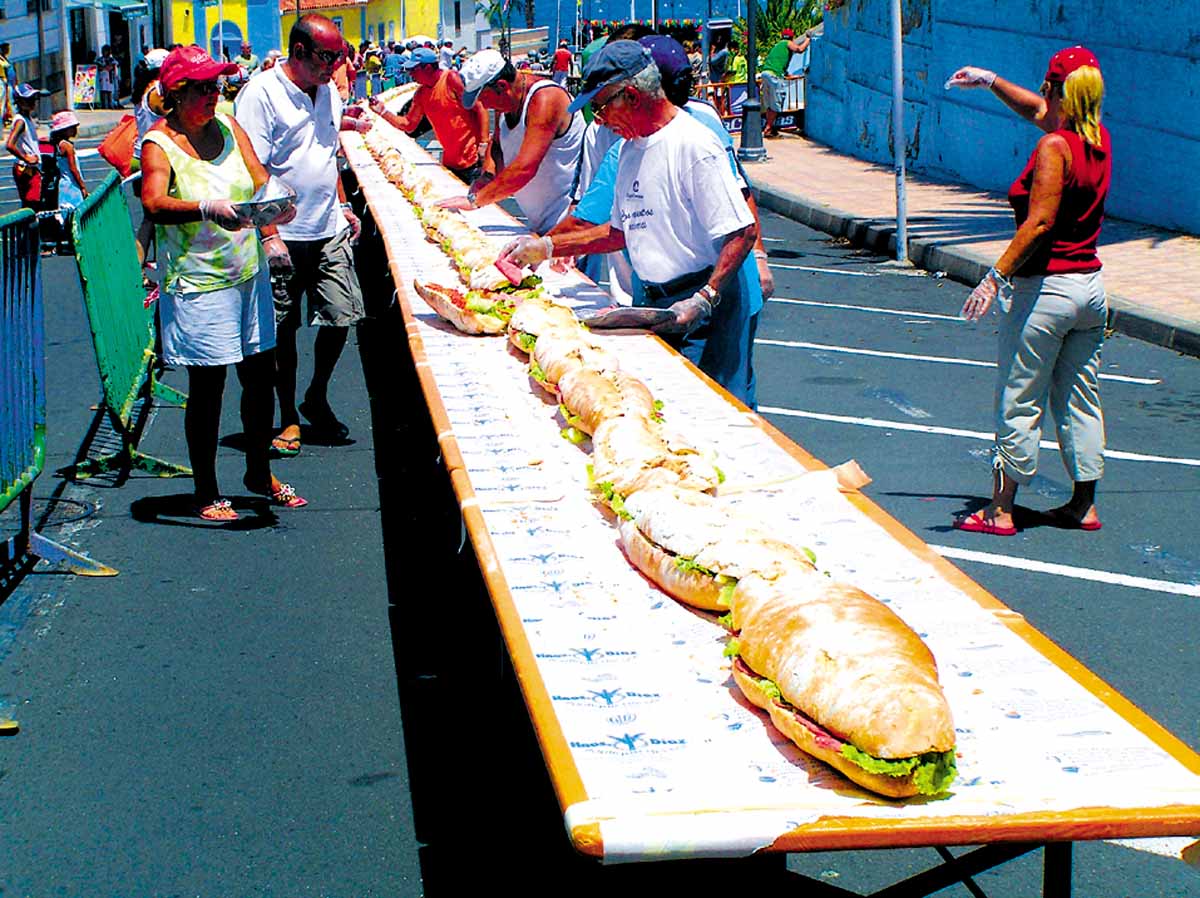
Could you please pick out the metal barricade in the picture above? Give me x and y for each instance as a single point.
(122, 326)
(23, 393)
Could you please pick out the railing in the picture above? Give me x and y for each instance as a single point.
(728, 97)
(122, 326)
(23, 392)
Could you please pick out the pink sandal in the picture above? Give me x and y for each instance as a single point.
(977, 523)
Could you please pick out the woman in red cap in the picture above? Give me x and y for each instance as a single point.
(216, 304)
(1050, 292)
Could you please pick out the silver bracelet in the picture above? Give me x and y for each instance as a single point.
(1001, 281)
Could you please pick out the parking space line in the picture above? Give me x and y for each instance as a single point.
(938, 359)
(853, 274)
(1066, 570)
(905, 313)
(959, 432)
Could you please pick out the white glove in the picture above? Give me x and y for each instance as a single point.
(689, 313)
(980, 301)
(765, 277)
(221, 212)
(279, 260)
(971, 76)
(355, 224)
(362, 124)
(528, 249)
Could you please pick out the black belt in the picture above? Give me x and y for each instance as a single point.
(685, 282)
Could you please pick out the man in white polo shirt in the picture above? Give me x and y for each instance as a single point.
(292, 114)
(678, 210)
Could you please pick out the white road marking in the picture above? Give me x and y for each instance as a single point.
(959, 432)
(875, 309)
(1066, 570)
(1183, 848)
(853, 274)
(941, 360)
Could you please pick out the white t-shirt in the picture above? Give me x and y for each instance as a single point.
(676, 200)
(297, 141)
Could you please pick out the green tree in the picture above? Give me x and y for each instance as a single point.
(799, 15)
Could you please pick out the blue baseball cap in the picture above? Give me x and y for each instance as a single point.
(420, 56)
(27, 91)
(616, 61)
(668, 54)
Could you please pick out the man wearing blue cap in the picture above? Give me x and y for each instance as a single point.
(461, 132)
(678, 210)
(536, 145)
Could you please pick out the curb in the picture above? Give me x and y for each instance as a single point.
(1125, 316)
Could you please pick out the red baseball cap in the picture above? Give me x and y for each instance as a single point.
(787, 32)
(1067, 60)
(192, 64)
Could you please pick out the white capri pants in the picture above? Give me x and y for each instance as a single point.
(1050, 339)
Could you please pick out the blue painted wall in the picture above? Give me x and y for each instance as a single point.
(1150, 57)
(262, 25)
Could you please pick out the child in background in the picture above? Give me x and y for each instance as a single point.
(72, 191)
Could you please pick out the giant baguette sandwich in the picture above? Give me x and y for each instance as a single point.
(696, 551)
(842, 676)
(536, 317)
(629, 454)
(470, 311)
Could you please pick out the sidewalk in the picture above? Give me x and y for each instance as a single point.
(98, 122)
(1150, 273)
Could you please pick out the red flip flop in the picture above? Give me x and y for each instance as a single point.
(1064, 521)
(976, 523)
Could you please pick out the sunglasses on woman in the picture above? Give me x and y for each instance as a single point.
(205, 88)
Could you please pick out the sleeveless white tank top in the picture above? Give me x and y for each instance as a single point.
(546, 198)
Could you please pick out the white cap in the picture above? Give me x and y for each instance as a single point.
(478, 72)
(156, 57)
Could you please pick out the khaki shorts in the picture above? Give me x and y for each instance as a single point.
(324, 271)
(774, 92)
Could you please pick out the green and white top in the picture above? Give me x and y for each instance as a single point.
(201, 255)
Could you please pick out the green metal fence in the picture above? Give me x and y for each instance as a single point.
(122, 326)
(23, 394)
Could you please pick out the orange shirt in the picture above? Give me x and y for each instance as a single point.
(454, 126)
(341, 80)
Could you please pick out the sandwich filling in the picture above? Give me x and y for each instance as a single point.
(931, 772)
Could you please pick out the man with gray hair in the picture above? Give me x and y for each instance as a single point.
(679, 212)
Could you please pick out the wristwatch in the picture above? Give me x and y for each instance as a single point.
(471, 199)
(713, 296)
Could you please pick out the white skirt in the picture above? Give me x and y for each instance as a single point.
(218, 327)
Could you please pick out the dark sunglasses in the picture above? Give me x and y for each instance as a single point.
(329, 57)
(205, 88)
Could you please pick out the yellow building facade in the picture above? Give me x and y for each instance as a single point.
(267, 24)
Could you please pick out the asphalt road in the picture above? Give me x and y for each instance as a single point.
(221, 724)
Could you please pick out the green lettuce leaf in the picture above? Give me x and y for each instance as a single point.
(614, 499)
(932, 772)
(727, 588)
(526, 341)
(536, 372)
(733, 648)
(726, 621)
(573, 435)
(689, 565)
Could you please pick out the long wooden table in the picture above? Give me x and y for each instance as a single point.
(628, 691)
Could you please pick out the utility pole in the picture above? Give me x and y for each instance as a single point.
(43, 101)
(751, 149)
(898, 140)
(64, 46)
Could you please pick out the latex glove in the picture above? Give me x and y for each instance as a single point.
(221, 212)
(355, 224)
(279, 260)
(361, 124)
(377, 106)
(981, 298)
(457, 203)
(765, 277)
(287, 215)
(971, 76)
(562, 264)
(528, 249)
(689, 313)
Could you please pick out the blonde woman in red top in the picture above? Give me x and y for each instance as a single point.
(1049, 292)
